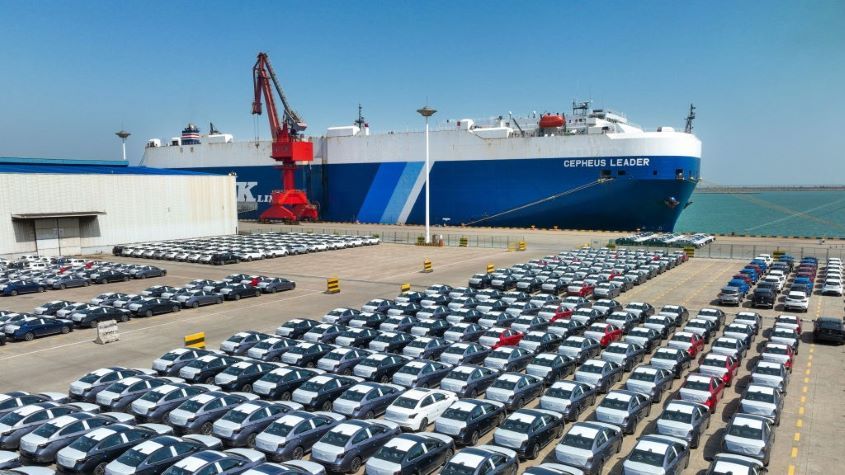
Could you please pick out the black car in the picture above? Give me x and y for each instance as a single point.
(829, 329)
(157, 290)
(469, 380)
(479, 281)
(239, 343)
(224, 258)
(296, 327)
(291, 436)
(541, 427)
(154, 306)
(239, 291)
(306, 355)
(410, 454)
(320, 391)
(551, 367)
(482, 460)
(468, 419)
(153, 456)
(340, 316)
(111, 275)
(763, 298)
(156, 404)
(391, 342)
(380, 367)
(275, 284)
(271, 349)
(368, 320)
(205, 368)
(426, 347)
(356, 337)
(93, 451)
(241, 375)
(50, 308)
(88, 386)
(171, 362)
(280, 383)
(90, 317)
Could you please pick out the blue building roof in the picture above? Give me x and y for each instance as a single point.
(89, 167)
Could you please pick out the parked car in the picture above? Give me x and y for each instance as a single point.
(426, 347)
(366, 400)
(296, 327)
(690, 342)
(417, 408)
(271, 349)
(778, 353)
(348, 445)
(550, 367)
(408, 454)
(508, 358)
(602, 374)
(625, 354)
(88, 386)
(155, 404)
(658, 454)
(198, 414)
(240, 426)
(650, 380)
(829, 329)
(306, 354)
(292, 436)
(515, 389)
(646, 337)
(736, 465)
(342, 360)
(90, 317)
(205, 368)
(154, 455)
(569, 398)
(707, 390)
(241, 375)
(589, 446)
(153, 306)
(275, 284)
(579, 348)
(321, 390)
(380, 367)
(469, 380)
(527, 431)
(42, 445)
(92, 452)
(468, 419)
(280, 383)
(390, 342)
(751, 436)
(764, 401)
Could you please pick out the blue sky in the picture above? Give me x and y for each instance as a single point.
(767, 77)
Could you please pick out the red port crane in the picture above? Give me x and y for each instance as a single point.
(287, 204)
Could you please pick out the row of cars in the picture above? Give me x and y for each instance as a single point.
(31, 274)
(237, 248)
(763, 279)
(62, 316)
(666, 240)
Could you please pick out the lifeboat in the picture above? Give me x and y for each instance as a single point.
(550, 121)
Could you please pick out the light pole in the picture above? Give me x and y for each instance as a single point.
(427, 112)
(123, 135)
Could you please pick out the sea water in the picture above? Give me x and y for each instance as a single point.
(770, 213)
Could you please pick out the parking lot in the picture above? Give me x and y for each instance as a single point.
(813, 412)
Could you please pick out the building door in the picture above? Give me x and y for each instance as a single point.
(57, 236)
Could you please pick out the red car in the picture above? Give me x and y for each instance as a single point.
(496, 337)
(604, 333)
(580, 289)
(721, 366)
(779, 353)
(690, 342)
(554, 313)
(702, 389)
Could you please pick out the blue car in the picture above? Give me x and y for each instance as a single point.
(29, 328)
(741, 284)
(15, 287)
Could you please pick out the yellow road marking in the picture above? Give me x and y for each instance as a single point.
(799, 423)
(810, 357)
(809, 364)
(791, 470)
(804, 389)
(806, 380)
(794, 452)
(801, 411)
(803, 399)
(807, 371)
(797, 437)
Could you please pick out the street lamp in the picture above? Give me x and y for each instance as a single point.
(427, 112)
(123, 135)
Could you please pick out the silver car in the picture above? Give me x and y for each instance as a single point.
(687, 420)
(729, 346)
(624, 409)
(589, 445)
(569, 398)
(736, 465)
(762, 401)
(750, 436)
(602, 374)
(657, 455)
(770, 373)
(650, 380)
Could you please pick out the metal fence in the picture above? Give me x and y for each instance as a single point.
(750, 251)
(406, 237)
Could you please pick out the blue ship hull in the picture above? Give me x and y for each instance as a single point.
(602, 194)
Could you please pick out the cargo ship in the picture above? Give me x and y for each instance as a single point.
(588, 169)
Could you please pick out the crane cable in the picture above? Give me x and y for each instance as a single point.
(541, 200)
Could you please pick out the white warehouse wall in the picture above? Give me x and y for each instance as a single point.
(137, 207)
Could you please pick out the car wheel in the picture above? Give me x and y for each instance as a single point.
(247, 388)
(327, 406)
(124, 318)
(41, 290)
(423, 424)
(384, 379)
(369, 415)
(29, 336)
(209, 380)
(148, 313)
(206, 428)
(237, 297)
(195, 305)
(285, 396)
(250, 441)
(176, 309)
(65, 330)
(532, 452)
(298, 453)
(473, 438)
(100, 469)
(310, 364)
(61, 287)
(257, 293)
(355, 465)
(92, 324)
(126, 278)
(163, 273)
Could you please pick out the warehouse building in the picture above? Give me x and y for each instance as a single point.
(70, 207)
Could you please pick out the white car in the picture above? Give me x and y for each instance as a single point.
(832, 287)
(417, 408)
(796, 300)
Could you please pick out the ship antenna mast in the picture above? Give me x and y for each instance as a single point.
(361, 122)
(690, 118)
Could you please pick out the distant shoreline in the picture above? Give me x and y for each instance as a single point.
(761, 188)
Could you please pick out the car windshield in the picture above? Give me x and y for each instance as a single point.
(311, 386)
(504, 384)
(618, 349)
(354, 395)
(578, 441)
(548, 362)
(453, 468)
(132, 458)
(336, 438)
(591, 368)
(760, 396)
(390, 454)
(725, 344)
(409, 370)
(774, 350)
(405, 402)
(561, 393)
(455, 350)
(84, 444)
(90, 378)
(459, 375)
(647, 457)
(170, 356)
(642, 376)
(191, 405)
(236, 416)
(676, 416)
(571, 344)
(456, 414)
(745, 432)
(47, 430)
(613, 403)
(11, 418)
(280, 429)
(516, 425)
(334, 356)
(151, 396)
(698, 385)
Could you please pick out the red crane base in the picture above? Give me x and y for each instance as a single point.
(289, 206)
